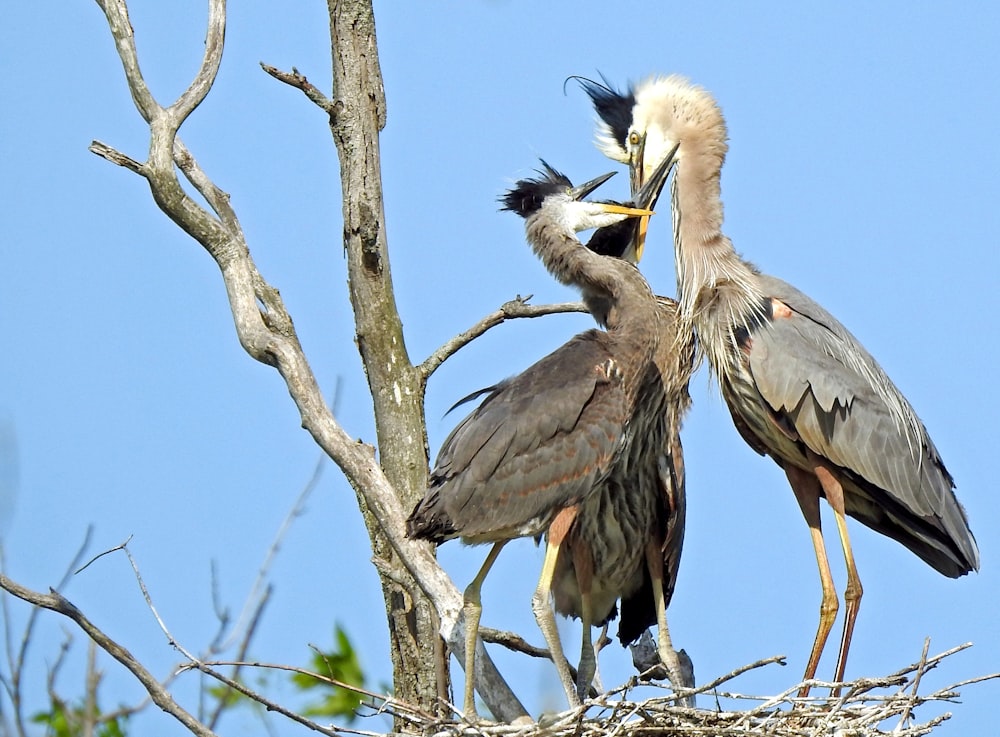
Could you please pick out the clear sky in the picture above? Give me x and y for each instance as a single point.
(863, 169)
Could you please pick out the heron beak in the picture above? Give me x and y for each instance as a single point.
(625, 210)
(635, 168)
(582, 190)
(649, 193)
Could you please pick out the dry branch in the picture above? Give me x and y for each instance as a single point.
(515, 308)
(265, 328)
(869, 706)
(56, 602)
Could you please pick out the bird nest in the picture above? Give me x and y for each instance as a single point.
(867, 706)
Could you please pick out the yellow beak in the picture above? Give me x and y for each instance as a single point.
(647, 193)
(625, 210)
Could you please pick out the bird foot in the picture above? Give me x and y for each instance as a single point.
(676, 667)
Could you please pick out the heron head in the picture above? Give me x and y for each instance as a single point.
(552, 191)
(640, 127)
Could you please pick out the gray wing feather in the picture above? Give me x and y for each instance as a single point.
(539, 442)
(844, 407)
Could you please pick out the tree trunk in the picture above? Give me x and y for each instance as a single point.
(359, 113)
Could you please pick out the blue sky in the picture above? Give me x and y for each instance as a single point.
(863, 169)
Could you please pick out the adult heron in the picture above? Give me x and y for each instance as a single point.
(799, 386)
(541, 442)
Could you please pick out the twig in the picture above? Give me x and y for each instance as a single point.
(298, 81)
(17, 662)
(779, 659)
(267, 703)
(515, 308)
(217, 199)
(56, 602)
(93, 681)
(395, 703)
(53, 670)
(513, 641)
(152, 607)
(296, 511)
(241, 654)
(120, 546)
(969, 681)
(916, 682)
(221, 611)
(117, 157)
(398, 708)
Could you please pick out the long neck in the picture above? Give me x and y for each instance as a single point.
(618, 295)
(717, 289)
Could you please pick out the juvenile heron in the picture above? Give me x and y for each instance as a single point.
(541, 442)
(627, 537)
(799, 386)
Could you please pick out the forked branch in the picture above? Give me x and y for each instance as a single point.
(263, 325)
(56, 602)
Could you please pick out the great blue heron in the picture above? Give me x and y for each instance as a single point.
(629, 533)
(541, 442)
(799, 386)
(641, 508)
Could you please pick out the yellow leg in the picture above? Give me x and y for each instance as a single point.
(541, 603)
(473, 608)
(807, 492)
(852, 595)
(664, 645)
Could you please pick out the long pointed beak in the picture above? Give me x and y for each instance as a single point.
(582, 190)
(625, 210)
(635, 170)
(649, 192)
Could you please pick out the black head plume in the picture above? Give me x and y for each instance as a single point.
(614, 107)
(528, 194)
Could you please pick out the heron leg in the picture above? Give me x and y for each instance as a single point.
(664, 645)
(600, 644)
(583, 563)
(541, 603)
(807, 491)
(473, 608)
(852, 594)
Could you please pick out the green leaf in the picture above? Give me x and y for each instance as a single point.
(340, 664)
(65, 720)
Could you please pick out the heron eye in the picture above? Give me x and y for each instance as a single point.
(633, 138)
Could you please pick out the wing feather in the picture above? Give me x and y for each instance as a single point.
(816, 376)
(539, 442)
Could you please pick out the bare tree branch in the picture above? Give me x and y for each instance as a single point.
(264, 327)
(117, 158)
(16, 662)
(394, 703)
(216, 198)
(299, 81)
(254, 604)
(90, 714)
(56, 602)
(515, 308)
(86, 565)
(222, 702)
(121, 29)
(199, 88)
(513, 641)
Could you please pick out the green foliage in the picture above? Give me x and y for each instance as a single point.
(66, 720)
(225, 696)
(339, 664)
